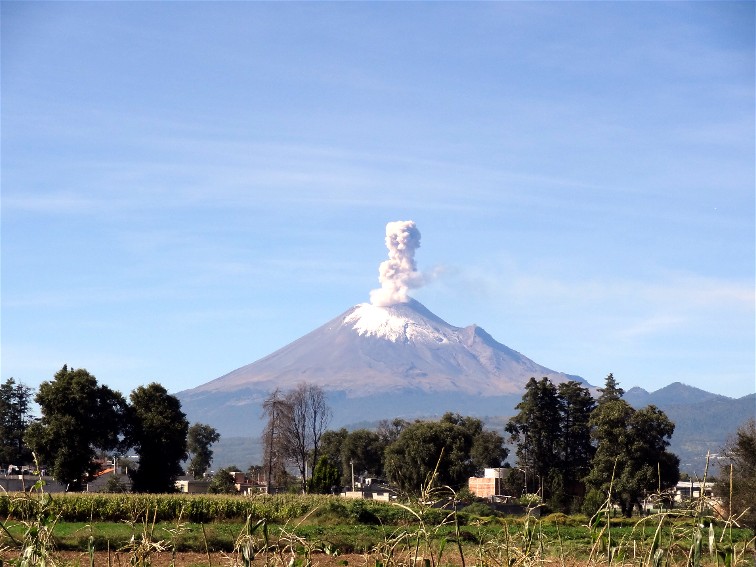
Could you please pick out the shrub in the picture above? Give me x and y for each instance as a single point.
(593, 502)
(479, 509)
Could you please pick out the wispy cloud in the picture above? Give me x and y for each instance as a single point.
(626, 308)
(64, 202)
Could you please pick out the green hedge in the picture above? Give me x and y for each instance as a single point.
(278, 508)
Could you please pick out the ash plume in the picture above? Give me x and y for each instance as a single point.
(398, 274)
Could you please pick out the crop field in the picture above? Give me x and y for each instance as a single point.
(294, 531)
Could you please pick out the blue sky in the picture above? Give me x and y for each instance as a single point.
(187, 187)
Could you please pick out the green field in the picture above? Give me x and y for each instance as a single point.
(309, 524)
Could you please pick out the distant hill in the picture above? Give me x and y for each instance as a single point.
(675, 393)
(703, 421)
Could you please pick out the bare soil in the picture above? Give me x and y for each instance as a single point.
(193, 559)
(185, 559)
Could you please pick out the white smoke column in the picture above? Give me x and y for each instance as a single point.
(398, 274)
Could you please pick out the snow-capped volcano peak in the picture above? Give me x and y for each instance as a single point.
(392, 348)
(400, 322)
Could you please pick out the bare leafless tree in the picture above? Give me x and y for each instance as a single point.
(320, 418)
(738, 474)
(307, 420)
(389, 429)
(274, 438)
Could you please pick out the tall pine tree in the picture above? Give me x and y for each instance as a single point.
(15, 417)
(576, 447)
(536, 431)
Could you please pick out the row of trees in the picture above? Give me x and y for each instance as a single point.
(456, 447)
(82, 420)
(570, 447)
(568, 442)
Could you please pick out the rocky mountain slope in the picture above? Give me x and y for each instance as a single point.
(376, 362)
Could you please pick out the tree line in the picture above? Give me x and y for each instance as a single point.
(455, 447)
(83, 422)
(575, 449)
(569, 447)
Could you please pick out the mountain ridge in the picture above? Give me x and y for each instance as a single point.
(674, 393)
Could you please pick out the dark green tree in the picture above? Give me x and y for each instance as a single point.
(222, 483)
(576, 447)
(325, 476)
(631, 453)
(79, 417)
(536, 429)
(332, 444)
(15, 417)
(388, 431)
(200, 438)
(576, 406)
(611, 390)
(652, 467)
(411, 460)
(487, 448)
(609, 431)
(488, 451)
(738, 474)
(362, 449)
(158, 432)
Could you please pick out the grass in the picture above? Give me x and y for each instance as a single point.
(290, 530)
(553, 540)
(358, 538)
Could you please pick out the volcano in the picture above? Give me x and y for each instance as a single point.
(376, 362)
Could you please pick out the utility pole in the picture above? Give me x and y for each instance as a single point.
(351, 462)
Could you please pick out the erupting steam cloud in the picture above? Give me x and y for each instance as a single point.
(398, 274)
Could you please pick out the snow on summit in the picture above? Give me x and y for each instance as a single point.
(394, 324)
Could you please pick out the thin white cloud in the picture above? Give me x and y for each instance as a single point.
(624, 308)
(64, 202)
(650, 326)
